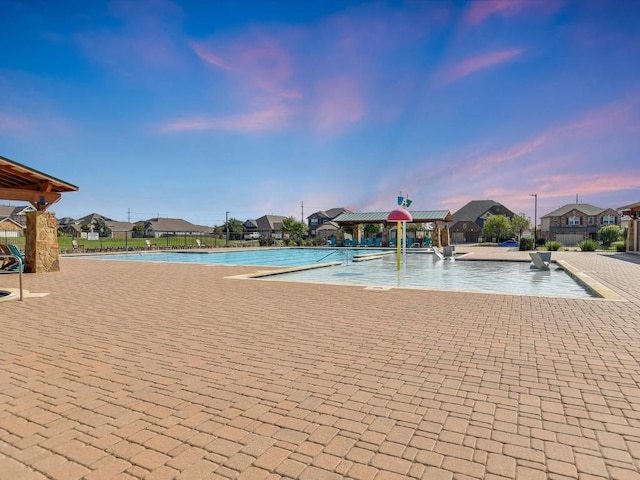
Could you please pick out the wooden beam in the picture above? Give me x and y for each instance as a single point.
(40, 200)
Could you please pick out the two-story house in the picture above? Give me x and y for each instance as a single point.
(575, 222)
(468, 221)
(318, 219)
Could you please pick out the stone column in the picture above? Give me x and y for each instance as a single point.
(446, 239)
(385, 235)
(41, 249)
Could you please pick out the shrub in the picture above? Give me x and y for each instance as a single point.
(526, 243)
(541, 242)
(588, 245)
(619, 246)
(609, 234)
(554, 246)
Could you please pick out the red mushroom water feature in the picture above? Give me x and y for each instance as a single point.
(401, 216)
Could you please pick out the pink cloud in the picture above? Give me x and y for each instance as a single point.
(209, 57)
(260, 64)
(480, 10)
(13, 124)
(617, 117)
(266, 120)
(339, 103)
(474, 64)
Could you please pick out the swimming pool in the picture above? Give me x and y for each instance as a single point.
(421, 270)
(272, 257)
(426, 271)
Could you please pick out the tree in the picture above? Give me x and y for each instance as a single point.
(293, 228)
(610, 234)
(519, 223)
(97, 225)
(497, 226)
(372, 229)
(138, 230)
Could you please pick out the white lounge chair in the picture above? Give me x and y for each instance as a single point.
(537, 260)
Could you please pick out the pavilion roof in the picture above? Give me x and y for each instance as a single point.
(421, 216)
(19, 182)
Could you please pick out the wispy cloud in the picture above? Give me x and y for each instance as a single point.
(266, 120)
(326, 74)
(14, 125)
(480, 10)
(466, 67)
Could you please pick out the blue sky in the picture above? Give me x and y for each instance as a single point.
(194, 108)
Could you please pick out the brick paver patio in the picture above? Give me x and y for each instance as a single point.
(163, 371)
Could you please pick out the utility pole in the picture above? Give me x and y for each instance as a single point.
(535, 220)
(302, 211)
(226, 221)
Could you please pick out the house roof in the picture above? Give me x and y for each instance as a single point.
(424, 216)
(119, 226)
(475, 209)
(19, 182)
(92, 217)
(13, 210)
(270, 222)
(630, 209)
(331, 213)
(10, 220)
(581, 207)
(330, 226)
(172, 225)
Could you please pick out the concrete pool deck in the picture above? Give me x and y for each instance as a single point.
(161, 371)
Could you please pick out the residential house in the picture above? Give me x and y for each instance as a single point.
(169, 227)
(17, 213)
(318, 219)
(93, 222)
(468, 221)
(575, 222)
(268, 226)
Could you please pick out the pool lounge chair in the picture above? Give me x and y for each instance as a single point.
(6, 263)
(11, 249)
(150, 246)
(200, 244)
(76, 246)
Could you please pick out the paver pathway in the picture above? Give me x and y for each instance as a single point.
(163, 371)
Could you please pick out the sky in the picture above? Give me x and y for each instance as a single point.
(191, 109)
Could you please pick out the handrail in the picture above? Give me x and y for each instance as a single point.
(20, 268)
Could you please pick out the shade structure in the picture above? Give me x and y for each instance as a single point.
(399, 215)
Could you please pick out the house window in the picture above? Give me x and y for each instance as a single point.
(575, 220)
(591, 221)
(314, 221)
(608, 220)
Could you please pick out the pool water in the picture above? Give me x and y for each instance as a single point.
(426, 271)
(421, 270)
(276, 257)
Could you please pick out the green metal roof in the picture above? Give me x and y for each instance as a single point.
(381, 217)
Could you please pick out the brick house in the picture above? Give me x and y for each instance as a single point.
(468, 221)
(575, 222)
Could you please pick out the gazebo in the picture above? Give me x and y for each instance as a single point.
(438, 217)
(633, 230)
(21, 183)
